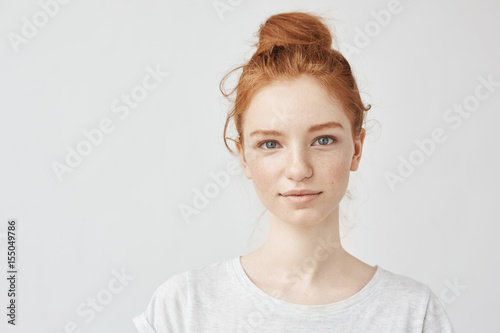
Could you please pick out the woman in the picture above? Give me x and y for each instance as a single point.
(299, 117)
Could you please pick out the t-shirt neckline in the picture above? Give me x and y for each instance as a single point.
(304, 309)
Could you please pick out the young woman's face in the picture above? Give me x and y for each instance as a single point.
(304, 156)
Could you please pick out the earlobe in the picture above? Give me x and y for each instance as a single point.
(355, 162)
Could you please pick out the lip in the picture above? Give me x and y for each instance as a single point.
(300, 196)
(300, 192)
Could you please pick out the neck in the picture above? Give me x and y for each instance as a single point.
(305, 254)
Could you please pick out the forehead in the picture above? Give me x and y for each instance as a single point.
(293, 105)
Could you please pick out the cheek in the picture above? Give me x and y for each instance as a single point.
(336, 170)
(264, 175)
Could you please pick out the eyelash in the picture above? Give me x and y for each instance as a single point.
(326, 136)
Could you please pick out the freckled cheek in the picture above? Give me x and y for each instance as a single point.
(336, 171)
(265, 175)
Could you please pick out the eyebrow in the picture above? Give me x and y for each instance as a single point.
(313, 128)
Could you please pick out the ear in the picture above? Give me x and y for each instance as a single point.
(241, 153)
(358, 149)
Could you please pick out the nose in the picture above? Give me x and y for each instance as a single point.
(298, 164)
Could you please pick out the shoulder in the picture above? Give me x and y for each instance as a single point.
(181, 284)
(174, 285)
(403, 285)
(173, 290)
(403, 291)
(171, 303)
(166, 304)
(402, 301)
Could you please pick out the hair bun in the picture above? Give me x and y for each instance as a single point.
(294, 28)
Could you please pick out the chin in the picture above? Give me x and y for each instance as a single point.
(301, 217)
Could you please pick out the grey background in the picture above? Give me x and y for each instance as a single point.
(119, 209)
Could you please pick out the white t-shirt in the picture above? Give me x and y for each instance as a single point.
(220, 297)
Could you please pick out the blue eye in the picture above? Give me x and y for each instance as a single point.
(320, 139)
(325, 141)
(267, 145)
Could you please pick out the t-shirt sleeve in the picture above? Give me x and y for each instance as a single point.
(165, 311)
(144, 321)
(436, 318)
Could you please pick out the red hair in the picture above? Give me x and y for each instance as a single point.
(290, 45)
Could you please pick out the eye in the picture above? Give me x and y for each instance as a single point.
(323, 142)
(268, 147)
(324, 139)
